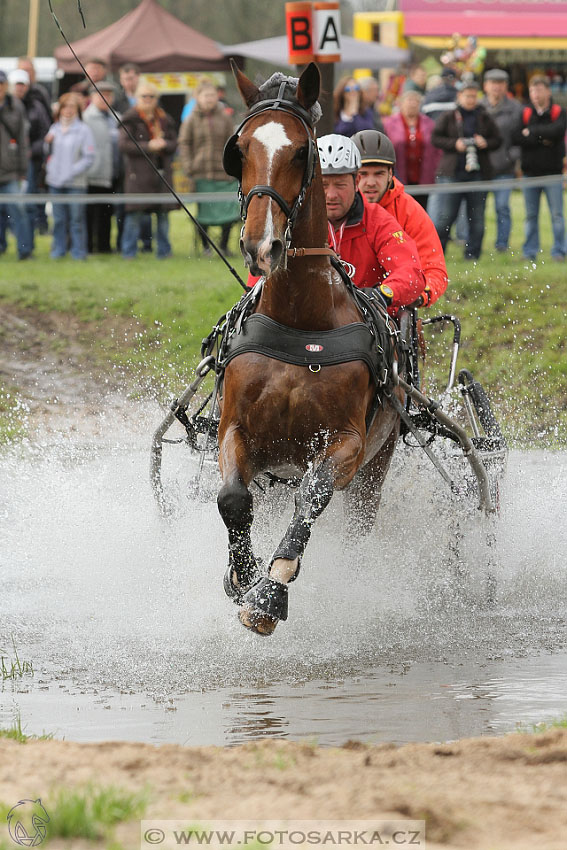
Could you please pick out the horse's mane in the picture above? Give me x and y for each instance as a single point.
(271, 87)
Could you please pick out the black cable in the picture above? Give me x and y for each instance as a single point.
(201, 229)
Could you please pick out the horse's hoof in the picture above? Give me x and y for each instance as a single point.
(257, 622)
(264, 605)
(236, 592)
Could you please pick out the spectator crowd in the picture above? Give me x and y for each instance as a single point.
(442, 131)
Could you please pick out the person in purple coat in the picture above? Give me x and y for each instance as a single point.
(351, 113)
(410, 131)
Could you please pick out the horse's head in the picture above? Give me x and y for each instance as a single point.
(273, 156)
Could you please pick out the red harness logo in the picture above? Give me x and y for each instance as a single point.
(313, 347)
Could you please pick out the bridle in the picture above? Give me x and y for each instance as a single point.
(232, 163)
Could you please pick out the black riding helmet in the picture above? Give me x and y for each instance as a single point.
(375, 147)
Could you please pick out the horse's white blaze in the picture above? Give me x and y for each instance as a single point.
(273, 137)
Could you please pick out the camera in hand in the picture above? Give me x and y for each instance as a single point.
(471, 155)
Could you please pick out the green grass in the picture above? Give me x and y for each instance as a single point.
(544, 726)
(91, 812)
(12, 668)
(16, 733)
(149, 316)
(10, 421)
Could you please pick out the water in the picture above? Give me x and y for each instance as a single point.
(131, 636)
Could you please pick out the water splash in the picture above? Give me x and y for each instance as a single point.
(97, 587)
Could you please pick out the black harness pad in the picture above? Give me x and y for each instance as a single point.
(262, 335)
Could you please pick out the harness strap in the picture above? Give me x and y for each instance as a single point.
(267, 190)
(311, 252)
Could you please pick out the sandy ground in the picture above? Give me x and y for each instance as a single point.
(495, 794)
(491, 793)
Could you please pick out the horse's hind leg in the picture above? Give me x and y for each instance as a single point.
(266, 602)
(363, 495)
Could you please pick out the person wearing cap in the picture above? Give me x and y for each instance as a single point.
(38, 90)
(437, 102)
(506, 114)
(39, 122)
(541, 136)
(364, 234)
(14, 153)
(465, 135)
(410, 133)
(443, 97)
(103, 174)
(378, 185)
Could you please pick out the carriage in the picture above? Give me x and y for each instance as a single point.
(314, 381)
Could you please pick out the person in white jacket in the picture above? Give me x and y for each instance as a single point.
(71, 149)
(103, 174)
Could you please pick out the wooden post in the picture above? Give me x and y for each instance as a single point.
(33, 25)
(327, 122)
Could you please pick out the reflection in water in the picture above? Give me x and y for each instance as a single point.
(253, 716)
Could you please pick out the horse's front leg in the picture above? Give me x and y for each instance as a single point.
(235, 507)
(266, 603)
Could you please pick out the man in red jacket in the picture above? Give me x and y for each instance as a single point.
(363, 234)
(377, 183)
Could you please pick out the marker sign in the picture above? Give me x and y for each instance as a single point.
(327, 32)
(313, 32)
(299, 28)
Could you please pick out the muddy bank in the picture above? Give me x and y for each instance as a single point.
(58, 368)
(480, 793)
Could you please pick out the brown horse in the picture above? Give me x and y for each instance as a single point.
(278, 416)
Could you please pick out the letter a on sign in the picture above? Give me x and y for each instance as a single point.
(327, 32)
(299, 27)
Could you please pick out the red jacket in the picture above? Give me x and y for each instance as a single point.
(381, 252)
(419, 226)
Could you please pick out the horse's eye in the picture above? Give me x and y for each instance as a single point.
(301, 154)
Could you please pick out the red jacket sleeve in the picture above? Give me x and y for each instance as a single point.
(398, 255)
(419, 226)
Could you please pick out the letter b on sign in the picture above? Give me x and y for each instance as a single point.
(299, 27)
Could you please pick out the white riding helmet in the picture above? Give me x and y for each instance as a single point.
(338, 155)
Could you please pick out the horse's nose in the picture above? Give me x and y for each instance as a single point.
(270, 254)
(262, 259)
(248, 253)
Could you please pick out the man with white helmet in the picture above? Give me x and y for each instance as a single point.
(377, 183)
(363, 234)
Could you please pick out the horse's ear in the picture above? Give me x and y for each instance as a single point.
(246, 87)
(309, 86)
